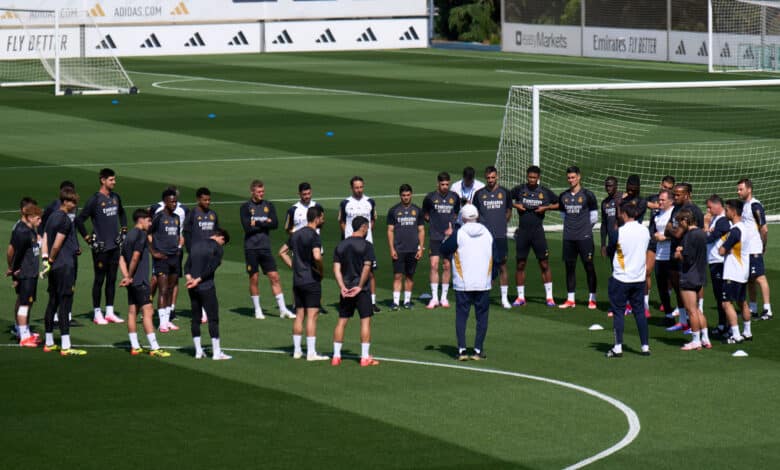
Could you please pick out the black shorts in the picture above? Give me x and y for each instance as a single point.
(500, 251)
(259, 259)
(105, 260)
(139, 295)
(435, 247)
(690, 288)
(757, 265)
(733, 291)
(361, 302)
(308, 295)
(582, 248)
(527, 239)
(405, 264)
(167, 266)
(62, 281)
(26, 290)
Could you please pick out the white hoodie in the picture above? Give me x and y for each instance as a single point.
(472, 262)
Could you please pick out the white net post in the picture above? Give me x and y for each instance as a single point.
(744, 35)
(709, 134)
(64, 52)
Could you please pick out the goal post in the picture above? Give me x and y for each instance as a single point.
(743, 35)
(709, 134)
(44, 48)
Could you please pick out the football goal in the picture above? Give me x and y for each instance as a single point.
(709, 134)
(44, 48)
(744, 35)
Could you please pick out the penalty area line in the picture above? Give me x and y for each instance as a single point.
(631, 416)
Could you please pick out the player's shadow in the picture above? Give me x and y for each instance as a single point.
(446, 349)
(604, 347)
(245, 311)
(675, 341)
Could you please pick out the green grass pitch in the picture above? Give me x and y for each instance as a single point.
(395, 117)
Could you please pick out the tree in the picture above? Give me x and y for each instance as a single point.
(474, 22)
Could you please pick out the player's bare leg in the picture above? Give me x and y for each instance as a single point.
(276, 289)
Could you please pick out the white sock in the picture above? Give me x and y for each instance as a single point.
(70, 316)
(746, 329)
(504, 293)
(152, 338)
(198, 345)
(696, 337)
(256, 302)
(701, 305)
(49, 339)
(735, 331)
(336, 349)
(98, 313)
(65, 341)
(434, 292)
(216, 350)
(373, 299)
(444, 290)
(396, 297)
(705, 335)
(753, 307)
(645, 348)
(364, 347)
(109, 310)
(548, 290)
(618, 348)
(280, 301)
(297, 343)
(171, 309)
(407, 296)
(768, 309)
(647, 302)
(134, 340)
(592, 297)
(570, 296)
(311, 345)
(521, 291)
(24, 331)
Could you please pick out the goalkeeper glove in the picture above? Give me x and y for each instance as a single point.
(45, 267)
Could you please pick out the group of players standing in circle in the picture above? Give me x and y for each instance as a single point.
(679, 245)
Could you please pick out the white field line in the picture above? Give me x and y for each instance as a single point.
(317, 89)
(633, 419)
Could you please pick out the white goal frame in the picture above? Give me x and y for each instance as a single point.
(764, 49)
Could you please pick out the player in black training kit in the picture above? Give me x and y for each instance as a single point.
(352, 261)
(200, 223)
(440, 209)
(579, 210)
(166, 241)
(532, 201)
(258, 218)
(405, 237)
(205, 258)
(609, 218)
(109, 227)
(494, 204)
(692, 254)
(23, 264)
(306, 263)
(59, 263)
(134, 266)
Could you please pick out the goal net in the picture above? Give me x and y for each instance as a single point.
(744, 35)
(709, 134)
(43, 48)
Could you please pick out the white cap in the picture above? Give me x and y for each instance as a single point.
(468, 213)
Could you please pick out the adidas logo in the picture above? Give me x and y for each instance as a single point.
(410, 34)
(680, 49)
(97, 10)
(181, 9)
(326, 37)
(367, 36)
(107, 43)
(748, 53)
(8, 15)
(239, 40)
(725, 52)
(283, 38)
(195, 41)
(151, 42)
(703, 50)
